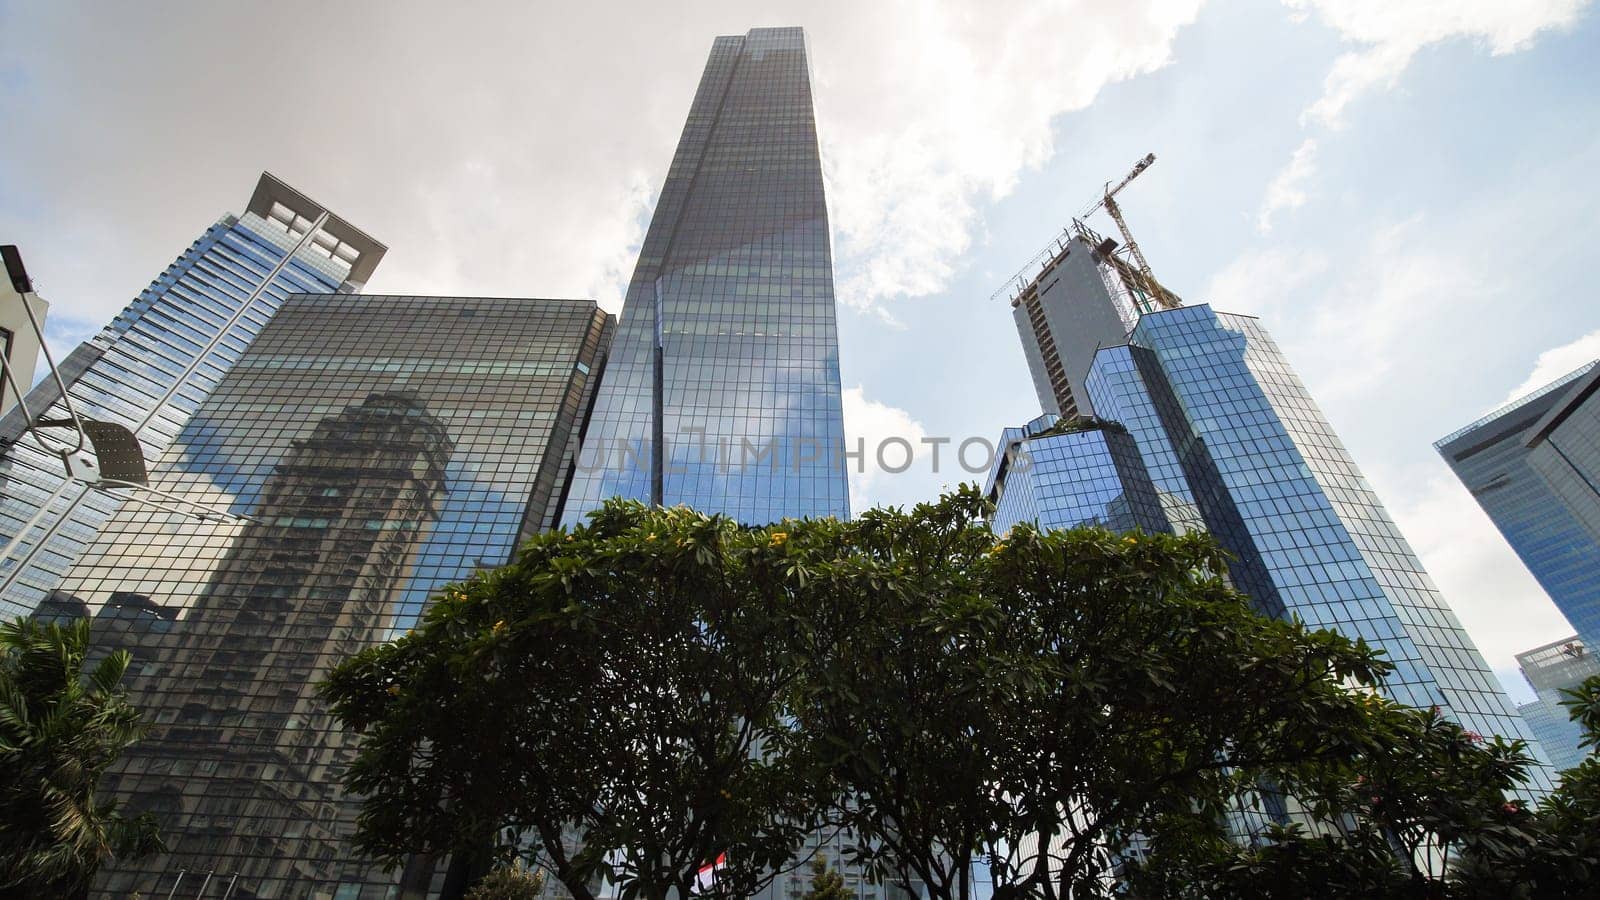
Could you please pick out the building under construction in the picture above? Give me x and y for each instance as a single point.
(1077, 295)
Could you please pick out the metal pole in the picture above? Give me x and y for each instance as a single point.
(658, 413)
(222, 332)
(181, 873)
(55, 373)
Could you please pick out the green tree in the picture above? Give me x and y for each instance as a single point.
(622, 684)
(508, 882)
(1557, 848)
(1388, 821)
(658, 688)
(826, 883)
(968, 691)
(1428, 811)
(59, 731)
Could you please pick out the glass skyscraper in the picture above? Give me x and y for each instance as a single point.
(1550, 670)
(1534, 467)
(1091, 474)
(382, 447)
(153, 366)
(735, 284)
(1232, 443)
(737, 267)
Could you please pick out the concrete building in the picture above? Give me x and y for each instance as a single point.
(19, 342)
(1534, 467)
(1085, 295)
(156, 363)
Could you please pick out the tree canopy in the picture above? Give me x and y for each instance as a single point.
(826, 883)
(1085, 713)
(60, 730)
(608, 697)
(969, 691)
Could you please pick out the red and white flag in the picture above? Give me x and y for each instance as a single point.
(707, 876)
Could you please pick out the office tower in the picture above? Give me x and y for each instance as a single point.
(153, 366)
(382, 447)
(736, 265)
(1062, 473)
(1233, 443)
(1534, 467)
(19, 341)
(1550, 670)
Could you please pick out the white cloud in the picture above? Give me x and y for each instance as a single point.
(1399, 281)
(919, 130)
(1288, 188)
(1392, 31)
(513, 151)
(1261, 282)
(1388, 35)
(1556, 362)
(869, 424)
(480, 148)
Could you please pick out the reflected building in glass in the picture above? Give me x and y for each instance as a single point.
(382, 447)
(153, 366)
(737, 267)
(1232, 443)
(1534, 467)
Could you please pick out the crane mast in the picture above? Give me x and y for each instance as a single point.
(1108, 200)
(1126, 272)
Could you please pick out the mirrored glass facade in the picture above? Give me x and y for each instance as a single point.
(1212, 403)
(153, 366)
(1091, 476)
(737, 256)
(1534, 467)
(382, 446)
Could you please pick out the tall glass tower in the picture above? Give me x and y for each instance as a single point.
(382, 448)
(735, 285)
(1232, 443)
(1534, 467)
(1281, 492)
(153, 366)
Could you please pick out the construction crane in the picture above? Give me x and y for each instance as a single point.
(1135, 278)
(1108, 201)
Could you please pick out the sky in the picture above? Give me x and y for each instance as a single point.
(1404, 192)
